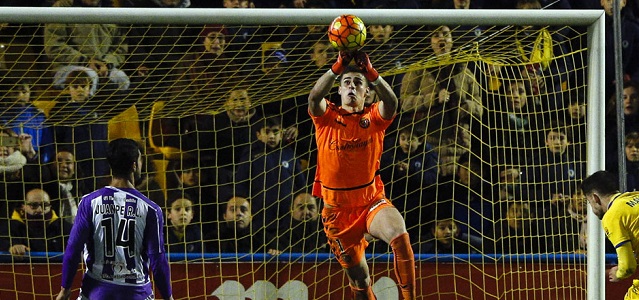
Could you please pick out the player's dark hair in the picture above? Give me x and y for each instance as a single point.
(121, 155)
(603, 182)
(351, 69)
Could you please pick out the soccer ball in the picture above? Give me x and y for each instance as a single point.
(347, 33)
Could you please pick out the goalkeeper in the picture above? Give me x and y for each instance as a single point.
(350, 143)
(618, 213)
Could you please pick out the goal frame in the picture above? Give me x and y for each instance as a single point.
(593, 20)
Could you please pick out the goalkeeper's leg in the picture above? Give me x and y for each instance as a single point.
(386, 223)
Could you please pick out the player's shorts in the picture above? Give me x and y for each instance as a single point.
(345, 229)
(633, 291)
(83, 297)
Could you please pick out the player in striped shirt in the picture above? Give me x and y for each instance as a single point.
(121, 233)
(619, 214)
(350, 141)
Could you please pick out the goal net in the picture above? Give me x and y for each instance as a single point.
(484, 158)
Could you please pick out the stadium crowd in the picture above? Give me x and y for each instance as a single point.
(481, 158)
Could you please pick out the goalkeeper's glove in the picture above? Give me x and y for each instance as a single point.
(364, 63)
(343, 59)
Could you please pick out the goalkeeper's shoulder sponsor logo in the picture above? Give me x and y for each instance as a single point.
(384, 288)
(364, 122)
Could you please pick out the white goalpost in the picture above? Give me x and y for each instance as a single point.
(263, 91)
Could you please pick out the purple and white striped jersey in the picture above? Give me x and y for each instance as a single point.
(121, 233)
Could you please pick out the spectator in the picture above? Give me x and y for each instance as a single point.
(217, 138)
(563, 227)
(382, 39)
(514, 231)
(575, 120)
(182, 236)
(442, 94)
(630, 105)
(97, 49)
(209, 68)
(470, 196)
(543, 55)
(82, 127)
(20, 115)
(302, 228)
(444, 237)
(512, 127)
(406, 171)
(553, 173)
(156, 49)
(34, 227)
(463, 4)
(64, 184)
(18, 167)
(199, 182)
(236, 234)
(632, 162)
(270, 172)
(322, 50)
(629, 49)
(243, 40)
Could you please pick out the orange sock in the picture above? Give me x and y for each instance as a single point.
(363, 294)
(404, 265)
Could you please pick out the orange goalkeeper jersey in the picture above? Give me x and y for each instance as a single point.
(349, 148)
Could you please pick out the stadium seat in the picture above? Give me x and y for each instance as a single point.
(125, 125)
(156, 135)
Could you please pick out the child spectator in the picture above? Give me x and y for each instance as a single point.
(565, 227)
(19, 167)
(630, 106)
(270, 172)
(406, 171)
(469, 194)
(182, 236)
(302, 227)
(80, 126)
(445, 237)
(20, 115)
(514, 232)
(632, 162)
(512, 127)
(97, 49)
(554, 171)
(629, 50)
(198, 181)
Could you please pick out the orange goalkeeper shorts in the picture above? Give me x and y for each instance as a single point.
(345, 229)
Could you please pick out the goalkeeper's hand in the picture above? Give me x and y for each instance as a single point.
(364, 63)
(343, 59)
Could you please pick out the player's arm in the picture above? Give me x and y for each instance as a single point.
(154, 237)
(388, 106)
(80, 233)
(316, 103)
(626, 263)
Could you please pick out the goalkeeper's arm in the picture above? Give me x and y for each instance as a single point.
(388, 107)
